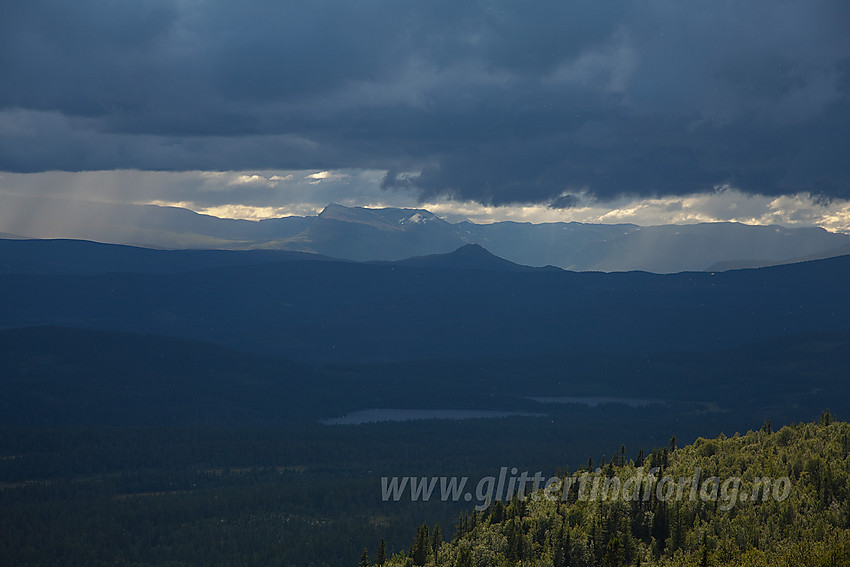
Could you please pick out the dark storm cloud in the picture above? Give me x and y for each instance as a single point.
(566, 201)
(492, 100)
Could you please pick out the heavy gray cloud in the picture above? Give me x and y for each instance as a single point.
(492, 101)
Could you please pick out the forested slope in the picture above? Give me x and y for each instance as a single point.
(798, 517)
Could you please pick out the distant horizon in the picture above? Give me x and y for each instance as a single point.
(268, 195)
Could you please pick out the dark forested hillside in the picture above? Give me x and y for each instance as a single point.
(58, 376)
(761, 499)
(338, 311)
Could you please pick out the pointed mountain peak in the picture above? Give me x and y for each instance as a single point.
(470, 257)
(473, 251)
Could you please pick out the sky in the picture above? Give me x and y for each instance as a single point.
(650, 112)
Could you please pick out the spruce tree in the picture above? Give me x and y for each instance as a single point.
(419, 551)
(436, 542)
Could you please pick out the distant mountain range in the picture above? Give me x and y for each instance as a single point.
(103, 333)
(361, 234)
(467, 304)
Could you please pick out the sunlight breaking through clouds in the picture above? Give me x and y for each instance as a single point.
(261, 194)
(722, 205)
(321, 176)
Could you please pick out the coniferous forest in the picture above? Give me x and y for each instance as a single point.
(803, 521)
(123, 449)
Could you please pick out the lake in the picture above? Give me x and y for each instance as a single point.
(593, 401)
(388, 414)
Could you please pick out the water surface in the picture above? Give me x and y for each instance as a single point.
(593, 401)
(389, 414)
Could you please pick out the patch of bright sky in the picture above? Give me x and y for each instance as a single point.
(257, 195)
(722, 204)
(728, 205)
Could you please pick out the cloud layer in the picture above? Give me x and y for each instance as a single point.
(490, 101)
